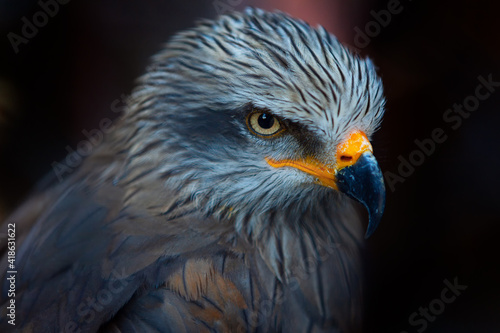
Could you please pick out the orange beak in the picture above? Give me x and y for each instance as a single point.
(348, 153)
(356, 174)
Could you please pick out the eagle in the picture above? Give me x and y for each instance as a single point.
(226, 198)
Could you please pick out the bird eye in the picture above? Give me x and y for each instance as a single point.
(264, 124)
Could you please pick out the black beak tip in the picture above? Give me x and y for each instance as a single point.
(363, 181)
(374, 221)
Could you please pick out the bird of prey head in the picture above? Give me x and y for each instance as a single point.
(258, 112)
(223, 197)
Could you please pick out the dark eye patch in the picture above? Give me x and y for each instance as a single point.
(206, 125)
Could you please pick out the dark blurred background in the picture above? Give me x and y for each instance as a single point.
(441, 223)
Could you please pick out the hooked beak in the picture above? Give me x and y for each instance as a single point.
(363, 182)
(356, 174)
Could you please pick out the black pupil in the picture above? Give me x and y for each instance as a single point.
(266, 121)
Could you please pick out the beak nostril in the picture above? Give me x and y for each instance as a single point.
(345, 158)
